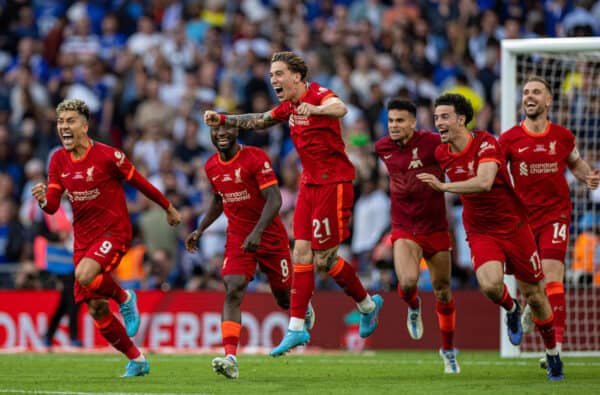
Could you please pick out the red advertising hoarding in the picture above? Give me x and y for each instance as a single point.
(190, 321)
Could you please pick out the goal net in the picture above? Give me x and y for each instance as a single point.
(572, 66)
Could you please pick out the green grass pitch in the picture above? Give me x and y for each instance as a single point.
(387, 372)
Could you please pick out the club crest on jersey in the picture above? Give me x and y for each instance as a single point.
(90, 174)
(238, 175)
(552, 148)
(415, 162)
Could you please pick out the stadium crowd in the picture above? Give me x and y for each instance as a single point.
(149, 69)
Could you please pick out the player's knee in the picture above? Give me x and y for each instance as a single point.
(234, 289)
(442, 294)
(98, 309)
(408, 283)
(492, 290)
(440, 286)
(83, 277)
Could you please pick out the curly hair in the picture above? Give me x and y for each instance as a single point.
(462, 106)
(76, 105)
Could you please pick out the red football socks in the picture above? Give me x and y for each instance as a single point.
(104, 284)
(556, 297)
(114, 332)
(345, 276)
(411, 298)
(507, 301)
(303, 285)
(446, 313)
(230, 332)
(546, 329)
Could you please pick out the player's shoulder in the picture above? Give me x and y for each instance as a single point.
(212, 161)
(561, 131)
(321, 92)
(382, 143)
(441, 151)
(511, 134)
(428, 136)
(484, 135)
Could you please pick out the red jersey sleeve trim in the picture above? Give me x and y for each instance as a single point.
(532, 134)
(130, 175)
(490, 160)
(331, 94)
(267, 184)
(55, 186)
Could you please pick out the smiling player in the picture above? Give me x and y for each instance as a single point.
(326, 195)
(91, 176)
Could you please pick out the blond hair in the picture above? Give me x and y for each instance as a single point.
(76, 105)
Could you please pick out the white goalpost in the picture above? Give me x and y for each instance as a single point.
(572, 66)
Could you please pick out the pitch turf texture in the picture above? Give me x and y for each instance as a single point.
(398, 372)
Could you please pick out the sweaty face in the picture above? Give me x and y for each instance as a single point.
(223, 138)
(401, 124)
(72, 129)
(536, 99)
(447, 122)
(283, 81)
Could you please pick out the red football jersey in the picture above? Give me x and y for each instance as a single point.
(496, 212)
(416, 208)
(239, 182)
(93, 184)
(537, 164)
(318, 139)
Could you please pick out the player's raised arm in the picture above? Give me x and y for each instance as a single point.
(215, 209)
(269, 212)
(242, 121)
(331, 107)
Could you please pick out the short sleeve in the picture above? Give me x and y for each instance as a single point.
(263, 171)
(489, 150)
(282, 112)
(120, 163)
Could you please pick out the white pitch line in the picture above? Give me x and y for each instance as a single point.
(44, 392)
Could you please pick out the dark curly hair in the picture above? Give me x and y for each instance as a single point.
(462, 106)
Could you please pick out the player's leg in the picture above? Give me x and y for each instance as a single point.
(302, 285)
(114, 332)
(407, 256)
(553, 242)
(231, 325)
(92, 272)
(440, 270)
(544, 322)
(524, 261)
(487, 256)
(330, 216)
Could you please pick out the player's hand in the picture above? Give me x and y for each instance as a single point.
(432, 181)
(306, 109)
(592, 180)
(191, 241)
(252, 242)
(212, 118)
(38, 191)
(173, 216)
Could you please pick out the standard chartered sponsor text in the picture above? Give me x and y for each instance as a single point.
(540, 168)
(233, 197)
